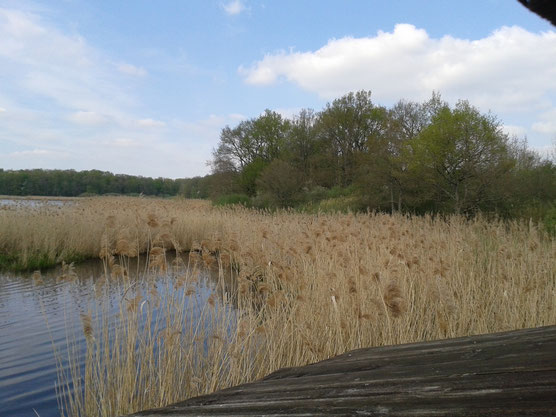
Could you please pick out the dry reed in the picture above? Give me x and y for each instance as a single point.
(305, 287)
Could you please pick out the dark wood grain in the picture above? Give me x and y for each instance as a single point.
(502, 374)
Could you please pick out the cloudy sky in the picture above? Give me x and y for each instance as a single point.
(144, 87)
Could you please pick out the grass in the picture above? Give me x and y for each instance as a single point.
(31, 262)
(41, 236)
(304, 287)
(233, 199)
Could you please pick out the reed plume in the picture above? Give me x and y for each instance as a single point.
(393, 299)
(87, 323)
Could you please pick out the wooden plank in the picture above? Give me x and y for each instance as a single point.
(509, 374)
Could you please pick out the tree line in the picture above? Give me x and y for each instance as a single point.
(412, 157)
(70, 183)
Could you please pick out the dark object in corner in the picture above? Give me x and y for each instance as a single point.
(544, 8)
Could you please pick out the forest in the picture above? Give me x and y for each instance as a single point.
(414, 157)
(71, 183)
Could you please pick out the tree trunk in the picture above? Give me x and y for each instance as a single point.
(391, 199)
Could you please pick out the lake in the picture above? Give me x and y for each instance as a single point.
(34, 202)
(40, 314)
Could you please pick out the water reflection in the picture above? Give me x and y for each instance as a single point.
(39, 313)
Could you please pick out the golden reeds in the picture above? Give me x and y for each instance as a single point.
(99, 227)
(304, 288)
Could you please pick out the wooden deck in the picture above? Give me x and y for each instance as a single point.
(509, 374)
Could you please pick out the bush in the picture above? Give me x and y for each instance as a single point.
(232, 199)
(340, 204)
(549, 220)
(316, 194)
(281, 182)
(336, 192)
(264, 201)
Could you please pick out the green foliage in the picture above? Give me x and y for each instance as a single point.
(414, 157)
(232, 199)
(549, 220)
(70, 183)
(341, 204)
(7, 261)
(347, 126)
(263, 201)
(250, 174)
(281, 183)
(30, 263)
(36, 261)
(337, 192)
(462, 155)
(259, 139)
(316, 194)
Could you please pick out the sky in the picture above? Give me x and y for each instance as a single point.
(144, 87)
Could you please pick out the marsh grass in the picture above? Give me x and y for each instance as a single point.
(164, 342)
(294, 289)
(38, 237)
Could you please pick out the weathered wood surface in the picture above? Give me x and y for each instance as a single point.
(502, 374)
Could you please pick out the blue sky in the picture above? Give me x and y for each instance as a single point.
(144, 87)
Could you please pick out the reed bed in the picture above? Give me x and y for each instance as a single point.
(42, 235)
(160, 345)
(294, 289)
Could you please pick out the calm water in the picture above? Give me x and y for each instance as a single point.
(23, 202)
(36, 315)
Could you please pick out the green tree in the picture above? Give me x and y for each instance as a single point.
(262, 138)
(392, 155)
(462, 154)
(281, 182)
(249, 175)
(347, 125)
(249, 147)
(302, 144)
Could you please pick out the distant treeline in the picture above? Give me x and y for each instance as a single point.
(70, 183)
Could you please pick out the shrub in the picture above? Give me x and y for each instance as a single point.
(549, 220)
(281, 182)
(232, 199)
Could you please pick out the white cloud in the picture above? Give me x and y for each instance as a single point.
(510, 69)
(234, 7)
(546, 123)
(288, 113)
(42, 62)
(514, 130)
(151, 123)
(129, 69)
(2, 109)
(90, 118)
(124, 143)
(545, 127)
(237, 116)
(37, 152)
